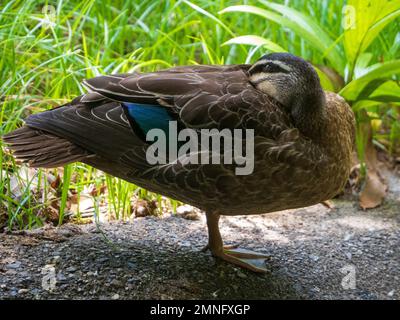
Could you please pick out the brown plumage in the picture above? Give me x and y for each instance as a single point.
(302, 145)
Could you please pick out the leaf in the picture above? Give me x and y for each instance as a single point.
(361, 66)
(209, 15)
(253, 40)
(313, 27)
(325, 81)
(374, 191)
(384, 70)
(365, 20)
(387, 92)
(300, 24)
(364, 104)
(369, 88)
(335, 79)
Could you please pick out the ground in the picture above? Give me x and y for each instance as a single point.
(316, 253)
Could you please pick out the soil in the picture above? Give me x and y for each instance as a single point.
(315, 253)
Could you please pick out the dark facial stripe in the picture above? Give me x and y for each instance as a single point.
(267, 67)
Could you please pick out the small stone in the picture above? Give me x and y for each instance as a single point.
(316, 289)
(14, 265)
(241, 275)
(61, 277)
(191, 216)
(187, 212)
(391, 293)
(116, 283)
(70, 269)
(11, 272)
(184, 209)
(22, 291)
(13, 292)
(115, 296)
(347, 236)
(35, 291)
(314, 257)
(132, 280)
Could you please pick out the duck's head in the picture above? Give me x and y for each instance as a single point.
(291, 81)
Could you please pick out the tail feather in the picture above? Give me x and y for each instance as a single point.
(42, 149)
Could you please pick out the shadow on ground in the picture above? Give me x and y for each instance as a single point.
(316, 253)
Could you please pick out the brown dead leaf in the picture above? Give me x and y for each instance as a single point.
(56, 182)
(374, 190)
(95, 192)
(143, 208)
(84, 203)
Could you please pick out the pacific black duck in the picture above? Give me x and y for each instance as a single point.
(303, 137)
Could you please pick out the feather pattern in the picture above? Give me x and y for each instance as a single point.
(106, 127)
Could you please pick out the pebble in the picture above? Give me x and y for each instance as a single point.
(141, 266)
(13, 292)
(14, 265)
(22, 291)
(61, 277)
(132, 280)
(70, 269)
(35, 291)
(116, 283)
(314, 257)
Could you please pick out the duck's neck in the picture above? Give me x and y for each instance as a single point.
(309, 114)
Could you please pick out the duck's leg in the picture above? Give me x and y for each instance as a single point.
(244, 258)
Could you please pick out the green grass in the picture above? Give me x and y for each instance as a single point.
(44, 57)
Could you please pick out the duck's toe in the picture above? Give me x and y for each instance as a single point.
(244, 258)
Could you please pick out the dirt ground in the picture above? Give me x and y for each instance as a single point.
(316, 253)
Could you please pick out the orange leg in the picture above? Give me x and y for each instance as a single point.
(241, 257)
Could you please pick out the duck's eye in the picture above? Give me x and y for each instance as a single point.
(272, 68)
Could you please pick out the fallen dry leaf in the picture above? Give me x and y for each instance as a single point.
(143, 208)
(374, 191)
(56, 182)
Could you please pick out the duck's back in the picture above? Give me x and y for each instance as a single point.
(107, 130)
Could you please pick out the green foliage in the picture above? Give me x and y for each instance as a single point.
(370, 75)
(44, 55)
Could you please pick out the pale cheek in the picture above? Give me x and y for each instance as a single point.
(268, 88)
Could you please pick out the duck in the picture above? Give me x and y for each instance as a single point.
(301, 142)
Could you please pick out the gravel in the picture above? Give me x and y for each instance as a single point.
(316, 253)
